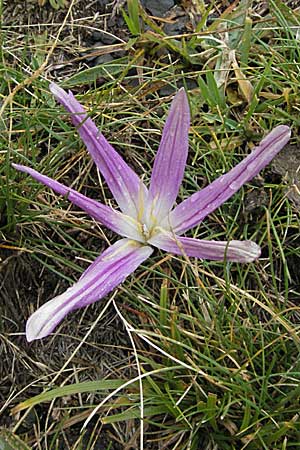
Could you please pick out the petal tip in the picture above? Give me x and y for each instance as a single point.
(181, 96)
(252, 251)
(283, 129)
(57, 91)
(180, 107)
(31, 334)
(40, 324)
(20, 167)
(54, 87)
(29, 337)
(32, 329)
(181, 91)
(285, 132)
(255, 250)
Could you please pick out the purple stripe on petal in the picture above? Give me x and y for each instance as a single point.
(105, 273)
(125, 185)
(238, 251)
(114, 220)
(193, 210)
(171, 158)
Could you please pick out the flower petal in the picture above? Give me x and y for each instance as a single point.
(239, 251)
(125, 185)
(171, 158)
(114, 220)
(107, 271)
(193, 210)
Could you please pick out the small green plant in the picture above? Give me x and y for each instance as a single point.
(132, 19)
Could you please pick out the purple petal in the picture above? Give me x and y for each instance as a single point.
(193, 210)
(125, 185)
(114, 220)
(239, 251)
(107, 271)
(171, 158)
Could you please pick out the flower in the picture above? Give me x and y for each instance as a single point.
(146, 219)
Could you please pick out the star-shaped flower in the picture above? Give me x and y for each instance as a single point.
(146, 219)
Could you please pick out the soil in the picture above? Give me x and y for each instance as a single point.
(25, 282)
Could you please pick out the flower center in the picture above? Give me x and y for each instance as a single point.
(145, 231)
(147, 220)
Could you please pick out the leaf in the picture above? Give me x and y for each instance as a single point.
(245, 86)
(135, 413)
(9, 441)
(132, 19)
(237, 20)
(92, 74)
(77, 388)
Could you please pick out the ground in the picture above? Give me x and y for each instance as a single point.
(96, 33)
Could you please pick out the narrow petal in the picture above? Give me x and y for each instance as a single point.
(239, 251)
(107, 271)
(114, 220)
(125, 185)
(171, 158)
(193, 210)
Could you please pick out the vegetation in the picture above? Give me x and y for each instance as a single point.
(186, 354)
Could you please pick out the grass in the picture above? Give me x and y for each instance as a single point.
(186, 354)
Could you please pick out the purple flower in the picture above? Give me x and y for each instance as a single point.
(146, 219)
